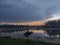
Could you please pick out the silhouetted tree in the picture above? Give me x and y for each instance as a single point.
(53, 24)
(27, 34)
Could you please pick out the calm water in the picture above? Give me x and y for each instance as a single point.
(36, 33)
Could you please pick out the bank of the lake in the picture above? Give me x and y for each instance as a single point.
(12, 41)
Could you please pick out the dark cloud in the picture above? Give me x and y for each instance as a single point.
(27, 10)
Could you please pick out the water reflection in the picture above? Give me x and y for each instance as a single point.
(36, 33)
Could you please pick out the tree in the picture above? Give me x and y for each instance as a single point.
(27, 34)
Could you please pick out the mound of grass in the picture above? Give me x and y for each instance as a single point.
(11, 41)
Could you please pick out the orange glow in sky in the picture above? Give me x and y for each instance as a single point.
(33, 23)
(27, 23)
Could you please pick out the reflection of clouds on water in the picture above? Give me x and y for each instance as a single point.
(39, 35)
(39, 31)
(20, 34)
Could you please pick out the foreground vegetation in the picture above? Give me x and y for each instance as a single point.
(12, 41)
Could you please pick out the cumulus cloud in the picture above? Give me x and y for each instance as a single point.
(27, 10)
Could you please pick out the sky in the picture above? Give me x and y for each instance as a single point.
(29, 11)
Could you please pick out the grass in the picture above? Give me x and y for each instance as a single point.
(11, 41)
